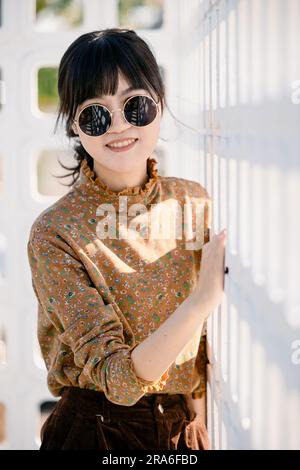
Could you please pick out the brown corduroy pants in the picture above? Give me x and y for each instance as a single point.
(86, 420)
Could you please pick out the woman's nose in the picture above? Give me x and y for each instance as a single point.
(118, 120)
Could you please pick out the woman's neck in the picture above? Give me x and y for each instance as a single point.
(118, 181)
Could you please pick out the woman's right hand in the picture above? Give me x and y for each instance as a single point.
(209, 289)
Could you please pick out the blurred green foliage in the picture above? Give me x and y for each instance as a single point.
(47, 89)
(71, 10)
(125, 7)
(58, 6)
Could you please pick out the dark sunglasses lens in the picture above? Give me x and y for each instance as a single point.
(94, 120)
(140, 110)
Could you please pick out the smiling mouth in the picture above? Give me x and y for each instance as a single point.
(123, 147)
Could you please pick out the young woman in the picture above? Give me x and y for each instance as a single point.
(121, 306)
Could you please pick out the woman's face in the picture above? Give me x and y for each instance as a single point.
(128, 160)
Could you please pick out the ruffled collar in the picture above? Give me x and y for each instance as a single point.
(89, 183)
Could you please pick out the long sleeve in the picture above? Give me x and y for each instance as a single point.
(82, 321)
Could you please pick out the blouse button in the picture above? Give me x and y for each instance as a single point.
(160, 408)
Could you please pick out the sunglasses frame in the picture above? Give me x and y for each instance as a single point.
(111, 113)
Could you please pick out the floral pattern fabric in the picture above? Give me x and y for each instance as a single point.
(98, 298)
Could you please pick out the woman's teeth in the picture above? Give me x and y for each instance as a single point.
(124, 143)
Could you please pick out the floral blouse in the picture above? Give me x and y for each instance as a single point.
(106, 275)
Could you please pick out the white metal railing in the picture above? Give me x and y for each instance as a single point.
(239, 87)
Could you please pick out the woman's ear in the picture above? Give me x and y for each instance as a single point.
(74, 128)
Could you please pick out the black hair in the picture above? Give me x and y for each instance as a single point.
(90, 67)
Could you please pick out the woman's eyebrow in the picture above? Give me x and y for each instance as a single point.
(124, 92)
(131, 88)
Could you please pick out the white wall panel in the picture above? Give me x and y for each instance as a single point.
(244, 142)
(25, 131)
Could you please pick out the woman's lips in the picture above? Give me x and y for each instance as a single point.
(123, 149)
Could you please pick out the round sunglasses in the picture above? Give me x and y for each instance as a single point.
(138, 110)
